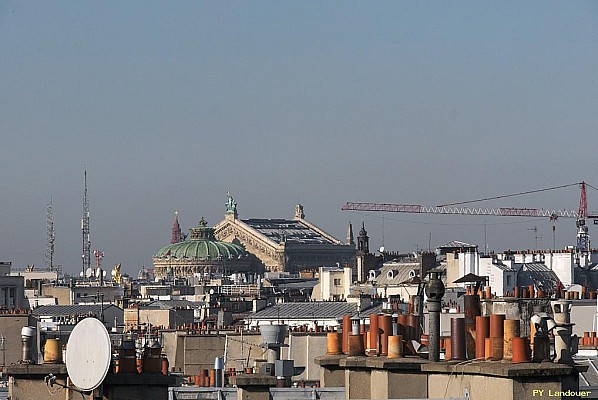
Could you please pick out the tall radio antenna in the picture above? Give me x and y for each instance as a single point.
(85, 229)
(50, 237)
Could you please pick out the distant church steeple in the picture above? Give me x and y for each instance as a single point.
(363, 241)
(176, 230)
(364, 259)
(350, 240)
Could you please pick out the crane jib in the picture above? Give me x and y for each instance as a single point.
(420, 209)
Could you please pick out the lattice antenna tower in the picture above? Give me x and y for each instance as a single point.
(86, 256)
(50, 237)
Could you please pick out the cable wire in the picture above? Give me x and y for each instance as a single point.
(454, 367)
(514, 194)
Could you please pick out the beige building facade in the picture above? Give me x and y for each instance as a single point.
(284, 245)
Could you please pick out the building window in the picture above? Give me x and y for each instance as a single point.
(337, 282)
(508, 280)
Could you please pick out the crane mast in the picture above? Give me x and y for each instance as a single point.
(583, 237)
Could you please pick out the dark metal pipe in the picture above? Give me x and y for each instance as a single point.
(403, 326)
(434, 345)
(472, 310)
(458, 350)
(415, 328)
(434, 292)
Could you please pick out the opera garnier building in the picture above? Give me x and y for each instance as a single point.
(199, 253)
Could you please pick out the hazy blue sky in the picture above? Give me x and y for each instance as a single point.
(171, 104)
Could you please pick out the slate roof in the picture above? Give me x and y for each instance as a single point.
(537, 274)
(471, 278)
(503, 267)
(588, 278)
(170, 304)
(312, 310)
(76, 309)
(396, 273)
(306, 284)
(287, 230)
(458, 245)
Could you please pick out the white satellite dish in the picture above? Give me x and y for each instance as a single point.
(88, 272)
(381, 249)
(88, 354)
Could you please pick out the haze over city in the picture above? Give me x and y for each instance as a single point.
(169, 106)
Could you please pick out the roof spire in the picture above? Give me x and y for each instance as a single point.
(176, 229)
(363, 241)
(350, 240)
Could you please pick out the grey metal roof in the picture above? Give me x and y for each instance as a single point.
(504, 267)
(396, 273)
(287, 230)
(76, 309)
(471, 277)
(170, 304)
(311, 310)
(457, 244)
(306, 284)
(537, 274)
(588, 278)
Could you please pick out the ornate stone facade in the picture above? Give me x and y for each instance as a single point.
(288, 245)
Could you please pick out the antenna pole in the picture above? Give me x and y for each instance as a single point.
(50, 237)
(536, 236)
(382, 231)
(485, 239)
(85, 229)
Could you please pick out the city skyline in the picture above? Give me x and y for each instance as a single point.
(170, 106)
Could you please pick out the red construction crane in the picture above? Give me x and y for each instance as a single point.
(583, 238)
(447, 209)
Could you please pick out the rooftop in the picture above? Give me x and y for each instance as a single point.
(171, 304)
(288, 231)
(76, 309)
(312, 310)
(537, 274)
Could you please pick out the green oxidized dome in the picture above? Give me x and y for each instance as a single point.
(202, 245)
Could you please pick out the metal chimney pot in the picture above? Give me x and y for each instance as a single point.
(434, 291)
